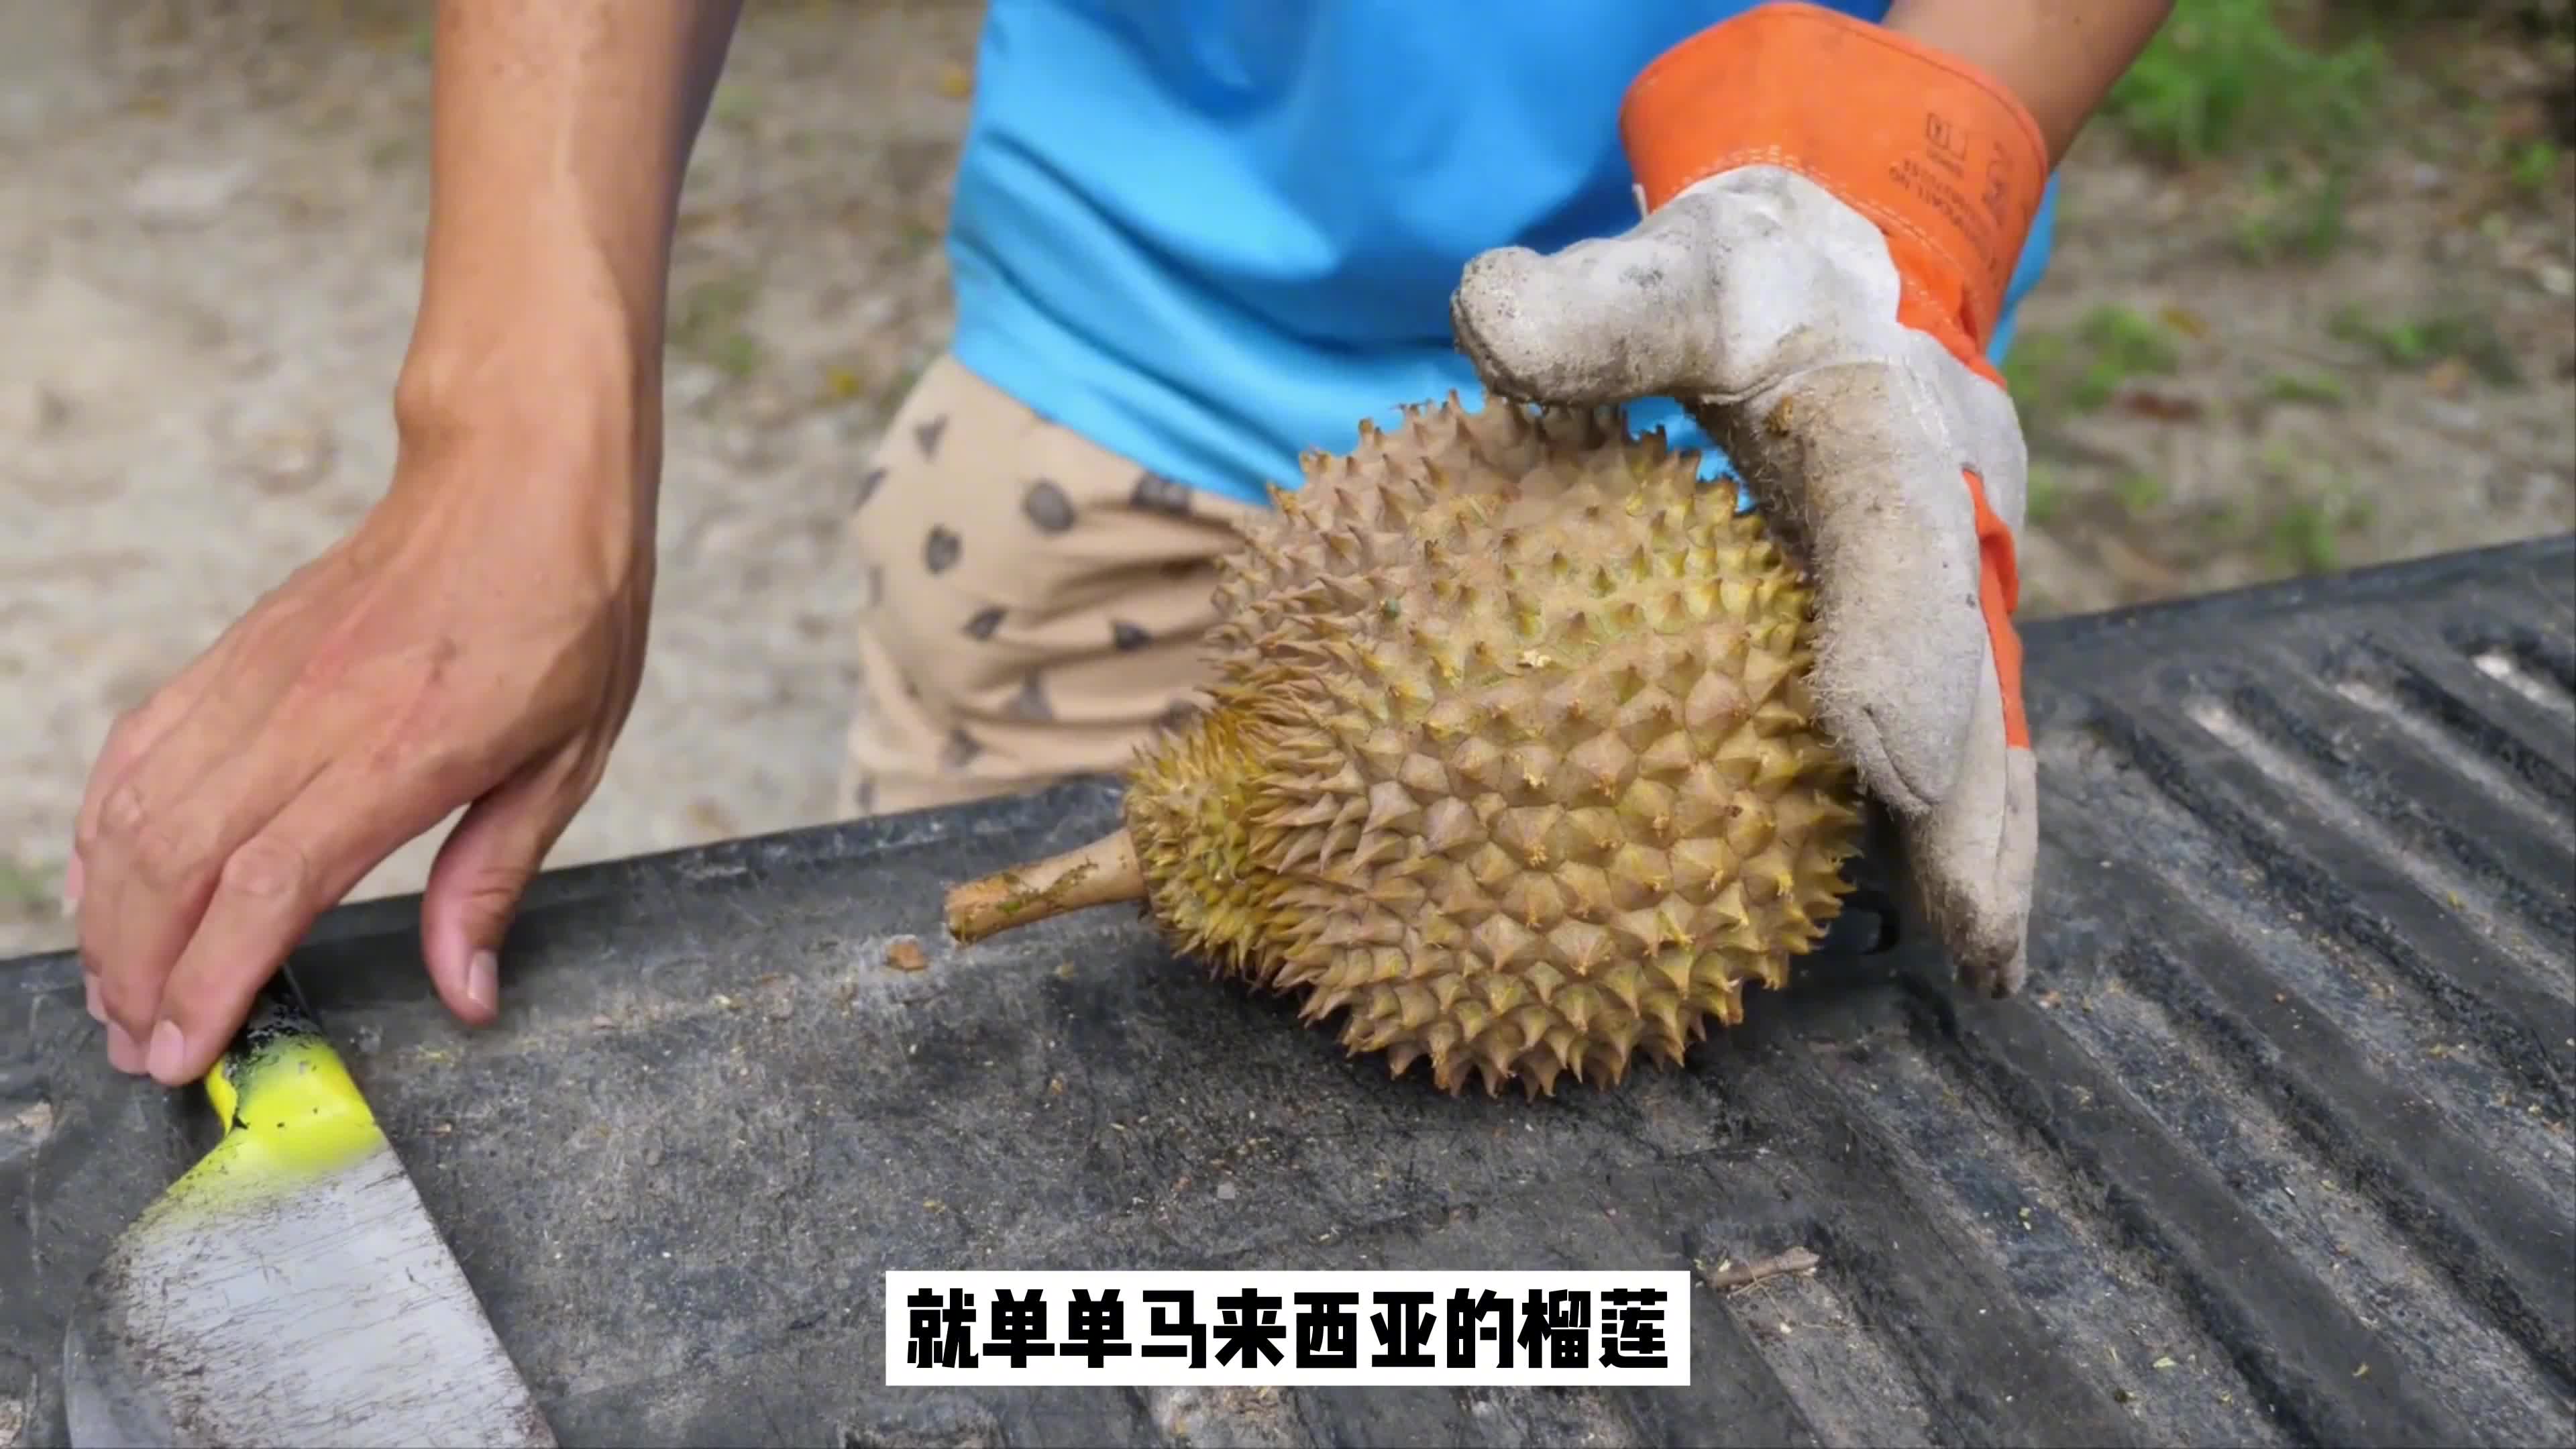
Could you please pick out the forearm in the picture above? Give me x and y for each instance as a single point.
(560, 132)
(2058, 59)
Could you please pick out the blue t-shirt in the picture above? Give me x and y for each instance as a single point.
(1210, 234)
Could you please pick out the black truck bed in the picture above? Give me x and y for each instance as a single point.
(2275, 1149)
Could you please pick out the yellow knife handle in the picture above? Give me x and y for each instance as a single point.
(280, 1081)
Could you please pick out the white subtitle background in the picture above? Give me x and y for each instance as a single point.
(1175, 1328)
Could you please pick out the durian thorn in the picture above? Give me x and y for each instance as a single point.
(1098, 874)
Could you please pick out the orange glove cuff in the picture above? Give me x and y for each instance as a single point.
(1949, 164)
(1998, 594)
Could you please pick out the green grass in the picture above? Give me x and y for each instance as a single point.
(2224, 75)
(2051, 374)
(2304, 538)
(710, 325)
(27, 890)
(2047, 495)
(2227, 78)
(2306, 92)
(2304, 530)
(2318, 389)
(735, 105)
(2296, 211)
(2440, 333)
(2532, 166)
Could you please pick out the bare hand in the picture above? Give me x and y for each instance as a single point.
(476, 640)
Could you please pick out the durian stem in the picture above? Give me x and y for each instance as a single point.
(1097, 874)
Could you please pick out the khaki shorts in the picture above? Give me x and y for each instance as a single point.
(1031, 605)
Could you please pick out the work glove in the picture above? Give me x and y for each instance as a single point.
(1832, 214)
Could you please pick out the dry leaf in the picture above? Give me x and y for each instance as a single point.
(2163, 407)
(2185, 321)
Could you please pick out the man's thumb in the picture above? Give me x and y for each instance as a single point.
(474, 887)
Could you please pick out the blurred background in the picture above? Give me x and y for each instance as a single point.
(2313, 306)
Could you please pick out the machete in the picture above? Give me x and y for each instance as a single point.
(290, 1287)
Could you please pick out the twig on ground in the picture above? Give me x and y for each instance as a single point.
(1730, 1275)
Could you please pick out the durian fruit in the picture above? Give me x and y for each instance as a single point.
(1508, 757)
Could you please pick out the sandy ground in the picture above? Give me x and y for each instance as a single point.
(209, 235)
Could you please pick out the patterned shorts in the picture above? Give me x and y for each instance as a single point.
(1032, 605)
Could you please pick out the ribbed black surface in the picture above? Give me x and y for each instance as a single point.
(2275, 1150)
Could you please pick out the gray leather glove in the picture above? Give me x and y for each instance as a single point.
(1843, 377)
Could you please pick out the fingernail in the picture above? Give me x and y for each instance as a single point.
(89, 987)
(166, 1049)
(483, 980)
(122, 1053)
(72, 887)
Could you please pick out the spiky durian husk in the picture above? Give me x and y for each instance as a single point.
(1509, 754)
